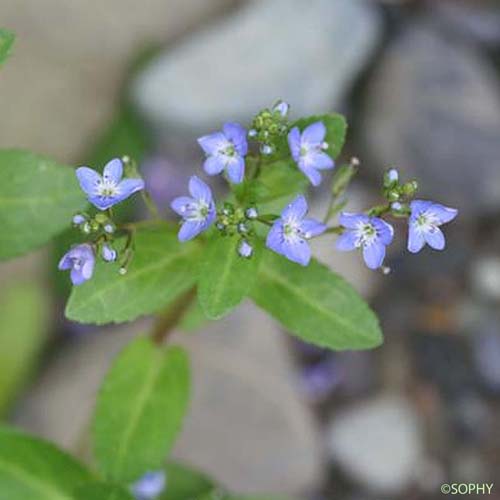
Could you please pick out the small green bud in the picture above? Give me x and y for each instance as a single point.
(101, 218)
(410, 188)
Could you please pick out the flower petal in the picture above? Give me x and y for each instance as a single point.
(236, 170)
(213, 143)
(274, 240)
(298, 252)
(65, 263)
(435, 239)
(113, 170)
(294, 143)
(351, 220)
(416, 239)
(190, 229)
(128, 187)
(238, 136)
(346, 241)
(444, 214)
(214, 165)
(199, 190)
(321, 161)
(311, 173)
(89, 180)
(385, 232)
(374, 254)
(77, 277)
(103, 203)
(297, 209)
(180, 204)
(419, 206)
(314, 133)
(312, 228)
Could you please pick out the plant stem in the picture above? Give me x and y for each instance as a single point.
(166, 321)
(150, 204)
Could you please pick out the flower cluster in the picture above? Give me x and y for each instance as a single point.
(372, 234)
(103, 192)
(227, 152)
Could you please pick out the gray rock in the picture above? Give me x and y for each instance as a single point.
(433, 108)
(378, 444)
(308, 55)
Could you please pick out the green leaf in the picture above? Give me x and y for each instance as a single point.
(140, 409)
(161, 270)
(315, 304)
(102, 491)
(225, 277)
(23, 331)
(32, 469)
(184, 483)
(336, 129)
(6, 41)
(37, 201)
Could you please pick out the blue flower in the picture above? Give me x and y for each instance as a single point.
(424, 222)
(289, 234)
(369, 233)
(149, 486)
(308, 151)
(225, 151)
(197, 211)
(245, 249)
(106, 190)
(81, 260)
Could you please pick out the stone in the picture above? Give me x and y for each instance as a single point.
(266, 50)
(247, 426)
(378, 443)
(432, 108)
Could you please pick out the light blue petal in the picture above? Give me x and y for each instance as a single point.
(312, 228)
(385, 232)
(236, 170)
(128, 187)
(374, 254)
(199, 190)
(214, 165)
(435, 239)
(113, 170)
(213, 143)
(351, 220)
(314, 133)
(77, 277)
(65, 263)
(297, 209)
(416, 240)
(444, 214)
(274, 240)
(190, 229)
(297, 251)
(321, 161)
(103, 203)
(346, 241)
(294, 143)
(180, 204)
(311, 173)
(238, 136)
(419, 206)
(89, 180)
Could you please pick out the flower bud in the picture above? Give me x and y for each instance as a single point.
(282, 107)
(108, 254)
(392, 175)
(251, 213)
(266, 149)
(109, 228)
(396, 206)
(79, 219)
(245, 249)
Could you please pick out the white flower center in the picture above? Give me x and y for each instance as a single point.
(426, 222)
(107, 188)
(196, 212)
(366, 234)
(292, 231)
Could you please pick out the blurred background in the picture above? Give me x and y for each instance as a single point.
(420, 84)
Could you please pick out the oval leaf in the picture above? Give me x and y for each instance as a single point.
(139, 410)
(225, 277)
(315, 304)
(6, 42)
(161, 270)
(102, 491)
(32, 469)
(37, 201)
(184, 483)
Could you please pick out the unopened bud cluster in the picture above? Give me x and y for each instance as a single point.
(269, 126)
